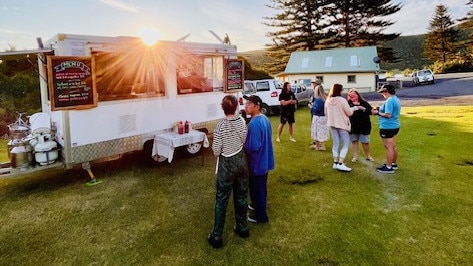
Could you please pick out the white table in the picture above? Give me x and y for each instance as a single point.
(165, 143)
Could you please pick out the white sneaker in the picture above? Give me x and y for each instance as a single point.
(278, 140)
(335, 166)
(292, 139)
(342, 167)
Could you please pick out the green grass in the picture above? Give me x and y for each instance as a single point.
(143, 216)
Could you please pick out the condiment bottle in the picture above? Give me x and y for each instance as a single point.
(180, 127)
(186, 127)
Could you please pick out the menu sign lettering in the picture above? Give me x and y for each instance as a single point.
(71, 82)
(235, 72)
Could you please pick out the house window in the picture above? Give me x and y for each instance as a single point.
(328, 61)
(305, 62)
(351, 79)
(354, 60)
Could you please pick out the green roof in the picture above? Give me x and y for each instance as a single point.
(352, 59)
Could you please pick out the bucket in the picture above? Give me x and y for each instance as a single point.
(17, 131)
(21, 156)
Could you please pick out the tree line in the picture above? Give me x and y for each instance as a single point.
(19, 89)
(308, 25)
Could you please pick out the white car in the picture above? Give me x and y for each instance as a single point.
(423, 76)
(268, 90)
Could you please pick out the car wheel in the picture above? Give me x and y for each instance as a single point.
(265, 109)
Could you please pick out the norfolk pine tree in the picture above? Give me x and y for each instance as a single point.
(440, 40)
(315, 25)
(467, 25)
(297, 27)
(358, 23)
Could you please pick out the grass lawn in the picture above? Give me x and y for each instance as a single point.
(422, 215)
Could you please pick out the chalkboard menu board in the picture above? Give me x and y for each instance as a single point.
(235, 75)
(71, 82)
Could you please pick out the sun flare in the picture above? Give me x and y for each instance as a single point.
(150, 36)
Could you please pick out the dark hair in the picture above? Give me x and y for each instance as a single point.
(390, 88)
(229, 104)
(284, 86)
(336, 90)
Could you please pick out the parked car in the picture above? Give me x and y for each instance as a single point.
(268, 90)
(248, 89)
(306, 82)
(423, 76)
(303, 93)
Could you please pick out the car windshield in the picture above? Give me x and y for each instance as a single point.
(424, 73)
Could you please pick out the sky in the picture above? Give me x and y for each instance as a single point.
(22, 21)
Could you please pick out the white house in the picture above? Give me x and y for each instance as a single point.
(353, 67)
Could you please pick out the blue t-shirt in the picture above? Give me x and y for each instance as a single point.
(391, 106)
(259, 146)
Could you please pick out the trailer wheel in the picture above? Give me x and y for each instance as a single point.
(146, 158)
(195, 149)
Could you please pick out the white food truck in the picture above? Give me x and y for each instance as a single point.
(106, 96)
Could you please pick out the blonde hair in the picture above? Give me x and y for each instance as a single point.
(320, 92)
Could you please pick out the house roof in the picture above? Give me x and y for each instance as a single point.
(352, 59)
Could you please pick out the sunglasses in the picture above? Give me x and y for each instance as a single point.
(383, 91)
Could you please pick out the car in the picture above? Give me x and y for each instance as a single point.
(268, 90)
(303, 94)
(423, 76)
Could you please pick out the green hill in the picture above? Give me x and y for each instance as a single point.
(407, 48)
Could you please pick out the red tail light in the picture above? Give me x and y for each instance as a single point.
(240, 100)
(274, 94)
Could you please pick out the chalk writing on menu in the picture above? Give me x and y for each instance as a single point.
(235, 75)
(71, 82)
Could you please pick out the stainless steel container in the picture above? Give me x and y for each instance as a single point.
(18, 131)
(21, 156)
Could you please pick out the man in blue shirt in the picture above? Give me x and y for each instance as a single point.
(389, 126)
(259, 150)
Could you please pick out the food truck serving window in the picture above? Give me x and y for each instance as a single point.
(199, 73)
(124, 75)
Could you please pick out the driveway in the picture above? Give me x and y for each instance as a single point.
(446, 87)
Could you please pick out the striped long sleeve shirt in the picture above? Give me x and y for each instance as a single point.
(229, 136)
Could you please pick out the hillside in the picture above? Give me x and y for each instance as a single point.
(408, 48)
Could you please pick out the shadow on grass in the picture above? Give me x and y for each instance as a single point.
(301, 180)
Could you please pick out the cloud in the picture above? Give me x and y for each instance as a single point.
(120, 5)
(414, 17)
